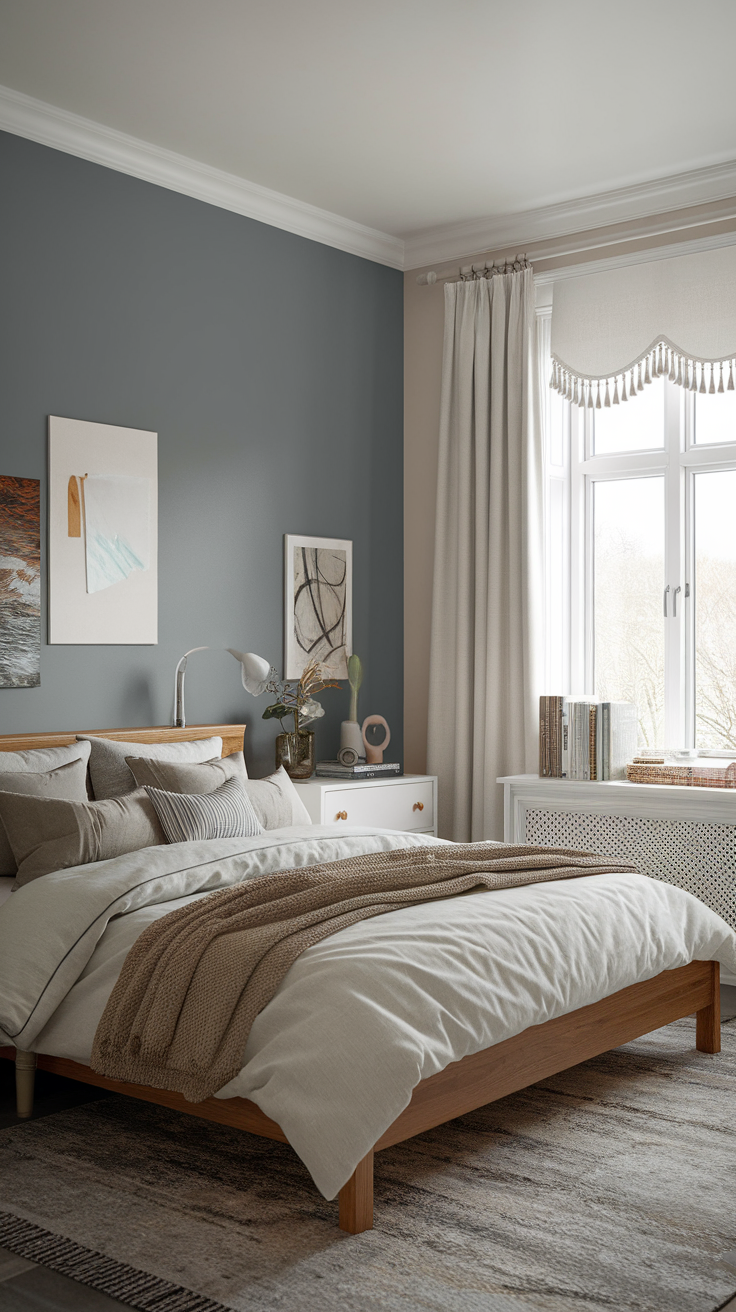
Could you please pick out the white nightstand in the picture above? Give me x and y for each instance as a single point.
(406, 802)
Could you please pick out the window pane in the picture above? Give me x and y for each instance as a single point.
(636, 425)
(715, 416)
(715, 610)
(628, 529)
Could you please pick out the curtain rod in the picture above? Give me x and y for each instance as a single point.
(468, 272)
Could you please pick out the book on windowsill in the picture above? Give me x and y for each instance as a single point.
(582, 738)
(363, 770)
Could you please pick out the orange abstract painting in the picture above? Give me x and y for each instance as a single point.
(20, 583)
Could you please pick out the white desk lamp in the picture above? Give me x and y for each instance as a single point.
(255, 673)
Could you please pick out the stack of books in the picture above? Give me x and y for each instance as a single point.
(364, 770)
(581, 738)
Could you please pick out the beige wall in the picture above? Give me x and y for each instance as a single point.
(423, 330)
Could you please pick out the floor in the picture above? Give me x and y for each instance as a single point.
(27, 1287)
(24, 1286)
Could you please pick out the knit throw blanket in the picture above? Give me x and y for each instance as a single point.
(192, 985)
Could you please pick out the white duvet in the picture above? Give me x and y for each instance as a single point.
(364, 1015)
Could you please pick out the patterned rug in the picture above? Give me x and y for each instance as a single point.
(608, 1188)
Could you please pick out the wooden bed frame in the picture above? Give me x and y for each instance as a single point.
(537, 1053)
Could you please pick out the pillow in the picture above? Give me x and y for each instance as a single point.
(40, 759)
(276, 801)
(224, 813)
(69, 781)
(111, 776)
(48, 834)
(178, 777)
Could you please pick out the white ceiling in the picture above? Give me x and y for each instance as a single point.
(402, 115)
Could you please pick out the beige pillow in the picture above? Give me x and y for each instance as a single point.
(181, 777)
(276, 801)
(38, 760)
(48, 834)
(111, 776)
(69, 782)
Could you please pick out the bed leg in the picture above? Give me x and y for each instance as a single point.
(708, 1019)
(25, 1078)
(356, 1198)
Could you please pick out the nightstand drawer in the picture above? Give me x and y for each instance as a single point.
(387, 806)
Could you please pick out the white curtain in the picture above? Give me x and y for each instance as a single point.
(487, 615)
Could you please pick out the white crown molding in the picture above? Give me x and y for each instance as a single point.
(27, 117)
(456, 241)
(690, 247)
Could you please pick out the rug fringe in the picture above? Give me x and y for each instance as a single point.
(138, 1289)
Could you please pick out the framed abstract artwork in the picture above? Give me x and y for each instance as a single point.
(20, 583)
(103, 533)
(318, 604)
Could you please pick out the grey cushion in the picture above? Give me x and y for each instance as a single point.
(38, 760)
(181, 777)
(224, 813)
(276, 801)
(69, 781)
(111, 776)
(48, 834)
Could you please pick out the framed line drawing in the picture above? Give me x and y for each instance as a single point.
(20, 583)
(318, 604)
(103, 533)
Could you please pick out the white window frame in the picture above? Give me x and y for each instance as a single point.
(570, 474)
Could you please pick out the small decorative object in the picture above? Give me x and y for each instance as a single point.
(20, 583)
(102, 533)
(374, 750)
(295, 749)
(318, 600)
(351, 739)
(254, 673)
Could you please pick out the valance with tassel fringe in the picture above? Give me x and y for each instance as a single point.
(661, 358)
(616, 331)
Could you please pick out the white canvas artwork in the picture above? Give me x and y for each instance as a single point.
(318, 604)
(103, 496)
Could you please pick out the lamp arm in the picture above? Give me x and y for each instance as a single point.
(181, 669)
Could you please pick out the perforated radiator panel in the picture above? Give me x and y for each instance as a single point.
(700, 858)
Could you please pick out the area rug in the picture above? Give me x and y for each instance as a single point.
(608, 1187)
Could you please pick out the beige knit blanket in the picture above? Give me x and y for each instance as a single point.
(194, 982)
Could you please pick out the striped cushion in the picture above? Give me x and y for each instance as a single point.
(225, 813)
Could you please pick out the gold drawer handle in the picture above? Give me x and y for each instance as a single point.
(341, 815)
(418, 806)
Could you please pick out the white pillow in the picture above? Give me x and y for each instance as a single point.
(39, 760)
(110, 775)
(276, 801)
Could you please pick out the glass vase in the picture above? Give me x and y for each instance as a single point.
(295, 751)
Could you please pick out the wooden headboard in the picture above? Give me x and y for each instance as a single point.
(231, 734)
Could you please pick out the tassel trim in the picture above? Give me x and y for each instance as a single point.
(661, 358)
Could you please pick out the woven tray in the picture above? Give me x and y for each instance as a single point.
(688, 776)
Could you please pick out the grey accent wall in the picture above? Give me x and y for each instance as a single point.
(271, 368)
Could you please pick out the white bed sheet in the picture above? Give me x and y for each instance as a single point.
(366, 1014)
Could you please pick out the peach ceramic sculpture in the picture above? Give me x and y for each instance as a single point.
(374, 752)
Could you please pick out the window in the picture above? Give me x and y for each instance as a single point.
(641, 559)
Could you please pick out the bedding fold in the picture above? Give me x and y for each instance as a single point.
(194, 982)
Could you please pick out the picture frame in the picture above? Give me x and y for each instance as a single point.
(318, 604)
(103, 533)
(20, 582)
